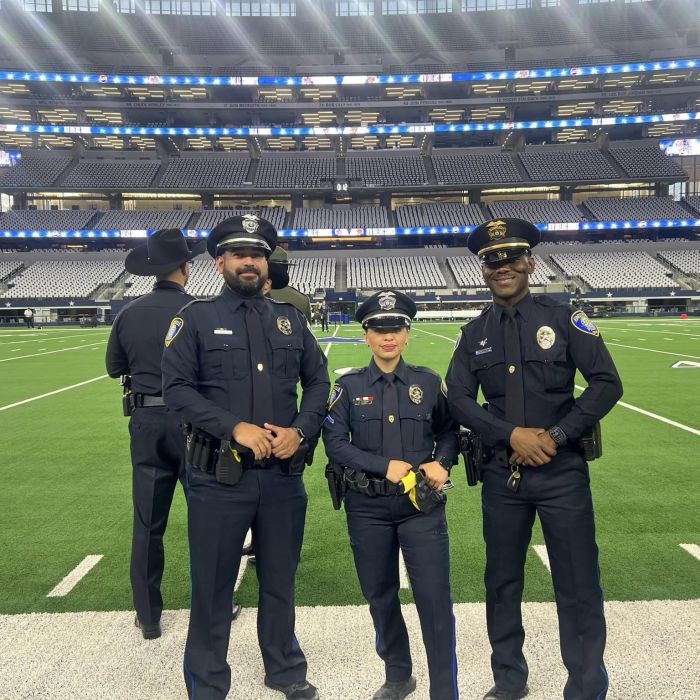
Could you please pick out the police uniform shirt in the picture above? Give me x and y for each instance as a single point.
(207, 373)
(135, 343)
(355, 410)
(555, 341)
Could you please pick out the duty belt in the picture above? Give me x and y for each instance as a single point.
(359, 481)
(147, 401)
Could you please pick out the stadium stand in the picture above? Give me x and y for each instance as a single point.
(58, 279)
(205, 172)
(211, 217)
(111, 174)
(341, 217)
(45, 219)
(148, 220)
(558, 165)
(615, 270)
(646, 162)
(467, 271)
(539, 211)
(204, 281)
(406, 273)
(310, 274)
(295, 171)
(634, 208)
(439, 214)
(687, 261)
(34, 171)
(693, 203)
(403, 168)
(460, 166)
(9, 267)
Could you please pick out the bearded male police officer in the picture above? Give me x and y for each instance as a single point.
(230, 368)
(385, 421)
(134, 349)
(523, 351)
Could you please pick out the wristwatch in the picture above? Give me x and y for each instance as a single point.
(444, 462)
(558, 435)
(300, 432)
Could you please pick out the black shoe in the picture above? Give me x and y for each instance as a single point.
(301, 690)
(396, 690)
(148, 631)
(497, 693)
(236, 611)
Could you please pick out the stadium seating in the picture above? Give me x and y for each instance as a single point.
(9, 267)
(341, 217)
(211, 217)
(112, 174)
(687, 261)
(615, 270)
(634, 208)
(45, 219)
(310, 274)
(460, 166)
(295, 170)
(567, 165)
(693, 203)
(144, 220)
(467, 271)
(34, 171)
(539, 211)
(405, 272)
(205, 172)
(204, 280)
(402, 168)
(646, 162)
(57, 279)
(439, 214)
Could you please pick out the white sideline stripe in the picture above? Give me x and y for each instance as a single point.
(437, 335)
(662, 352)
(645, 330)
(51, 393)
(244, 561)
(328, 346)
(692, 549)
(541, 552)
(65, 586)
(403, 574)
(51, 352)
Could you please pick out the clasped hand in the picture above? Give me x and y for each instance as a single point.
(532, 447)
(271, 440)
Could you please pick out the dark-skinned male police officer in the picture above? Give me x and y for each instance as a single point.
(523, 351)
(230, 369)
(384, 421)
(134, 349)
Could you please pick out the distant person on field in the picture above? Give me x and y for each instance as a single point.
(29, 317)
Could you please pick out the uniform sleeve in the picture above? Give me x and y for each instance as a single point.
(336, 439)
(314, 383)
(604, 390)
(116, 360)
(445, 430)
(462, 393)
(180, 368)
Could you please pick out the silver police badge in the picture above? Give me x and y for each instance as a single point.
(250, 223)
(415, 393)
(387, 301)
(284, 325)
(546, 337)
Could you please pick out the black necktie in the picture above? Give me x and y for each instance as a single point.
(259, 370)
(391, 426)
(515, 392)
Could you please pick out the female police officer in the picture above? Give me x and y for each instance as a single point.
(384, 420)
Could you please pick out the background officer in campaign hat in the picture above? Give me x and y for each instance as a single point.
(523, 352)
(384, 421)
(230, 368)
(280, 289)
(134, 350)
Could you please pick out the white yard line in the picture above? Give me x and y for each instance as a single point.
(51, 393)
(51, 352)
(541, 552)
(662, 352)
(403, 574)
(244, 562)
(65, 586)
(328, 346)
(644, 330)
(692, 549)
(43, 339)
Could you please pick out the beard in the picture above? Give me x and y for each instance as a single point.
(245, 287)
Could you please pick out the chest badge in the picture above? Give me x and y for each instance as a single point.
(284, 325)
(546, 337)
(415, 393)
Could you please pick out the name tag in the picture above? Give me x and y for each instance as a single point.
(223, 331)
(481, 352)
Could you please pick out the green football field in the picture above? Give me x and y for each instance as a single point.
(65, 475)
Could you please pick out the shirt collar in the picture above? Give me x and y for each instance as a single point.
(167, 284)
(401, 372)
(524, 307)
(234, 299)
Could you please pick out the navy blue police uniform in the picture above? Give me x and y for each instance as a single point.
(215, 372)
(135, 348)
(364, 409)
(550, 341)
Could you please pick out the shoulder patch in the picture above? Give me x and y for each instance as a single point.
(580, 321)
(336, 393)
(176, 325)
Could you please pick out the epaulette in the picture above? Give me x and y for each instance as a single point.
(198, 301)
(353, 370)
(546, 300)
(421, 368)
(278, 301)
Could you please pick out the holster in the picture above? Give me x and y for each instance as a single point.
(426, 497)
(127, 395)
(590, 443)
(229, 465)
(471, 447)
(335, 474)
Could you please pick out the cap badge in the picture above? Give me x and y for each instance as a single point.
(496, 230)
(284, 325)
(545, 337)
(250, 223)
(415, 393)
(387, 301)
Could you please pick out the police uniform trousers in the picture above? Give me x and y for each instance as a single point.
(559, 492)
(378, 526)
(273, 505)
(158, 459)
